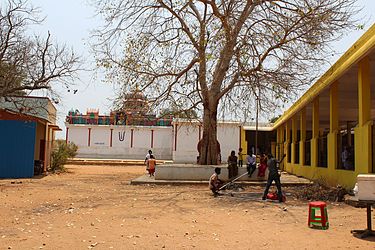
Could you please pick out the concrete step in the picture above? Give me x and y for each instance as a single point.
(109, 162)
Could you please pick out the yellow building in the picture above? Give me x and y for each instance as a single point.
(328, 134)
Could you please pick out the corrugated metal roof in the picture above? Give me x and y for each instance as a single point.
(40, 107)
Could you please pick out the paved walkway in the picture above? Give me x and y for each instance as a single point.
(286, 179)
(111, 162)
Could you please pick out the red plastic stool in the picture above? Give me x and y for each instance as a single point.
(318, 220)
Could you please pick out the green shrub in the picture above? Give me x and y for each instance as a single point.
(61, 153)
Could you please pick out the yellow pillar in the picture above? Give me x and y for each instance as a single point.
(287, 140)
(277, 142)
(294, 139)
(364, 93)
(303, 137)
(243, 141)
(362, 133)
(282, 146)
(315, 133)
(333, 126)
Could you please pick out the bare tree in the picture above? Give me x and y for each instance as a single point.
(29, 62)
(218, 55)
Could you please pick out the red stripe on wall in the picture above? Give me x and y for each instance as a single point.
(110, 140)
(152, 138)
(131, 137)
(67, 135)
(175, 138)
(89, 137)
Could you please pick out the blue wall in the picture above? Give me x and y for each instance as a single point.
(17, 143)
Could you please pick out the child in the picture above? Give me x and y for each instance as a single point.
(240, 158)
(147, 158)
(214, 182)
(151, 165)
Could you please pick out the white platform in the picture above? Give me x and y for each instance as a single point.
(198, 172)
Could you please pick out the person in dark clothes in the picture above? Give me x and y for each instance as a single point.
(273, 175)
(240, 158)
(232, 165)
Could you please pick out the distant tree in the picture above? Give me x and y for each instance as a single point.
(29, 62)
(174, 111)
(218, 55)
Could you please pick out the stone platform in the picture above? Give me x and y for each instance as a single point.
(198, 174)
(195, 172)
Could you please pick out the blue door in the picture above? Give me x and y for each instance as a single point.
(17, 143)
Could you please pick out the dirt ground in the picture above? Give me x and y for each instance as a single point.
(96, 207)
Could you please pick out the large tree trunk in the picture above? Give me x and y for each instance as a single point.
(209, 146)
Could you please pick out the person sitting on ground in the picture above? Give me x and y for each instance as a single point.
(251, 164)
(273, 175)
(232, 165)
(151, 165)
(214, 182)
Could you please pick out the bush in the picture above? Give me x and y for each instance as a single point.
(61, 153)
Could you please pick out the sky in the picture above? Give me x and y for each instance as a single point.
(71, 21)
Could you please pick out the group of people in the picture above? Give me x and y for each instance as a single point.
(264, 162)
(235, 162)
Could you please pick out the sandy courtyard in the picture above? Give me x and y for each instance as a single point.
(94, 207)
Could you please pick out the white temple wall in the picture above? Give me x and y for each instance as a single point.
(100, 137)
(185, 140)
(130, 142)
(229, 138)
(189, 134)
(79, 135)
(133, 142)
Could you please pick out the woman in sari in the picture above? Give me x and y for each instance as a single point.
(262, 165)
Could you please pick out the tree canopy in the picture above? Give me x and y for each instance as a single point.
(30, 62)
(220, 56)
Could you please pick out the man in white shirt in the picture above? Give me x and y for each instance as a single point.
(251, 164)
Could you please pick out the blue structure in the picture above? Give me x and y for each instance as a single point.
(17, 148)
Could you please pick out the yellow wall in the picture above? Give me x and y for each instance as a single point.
(362, 134)
(243, 141)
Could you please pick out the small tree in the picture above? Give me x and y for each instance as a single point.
(61, 153)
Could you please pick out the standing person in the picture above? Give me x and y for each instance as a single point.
(214, 182)
(262, 165)
(147, 158)
(345, 158)
(273, 176)
(232, 165)
(251, 164)
(151, 165)
(240, 158)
